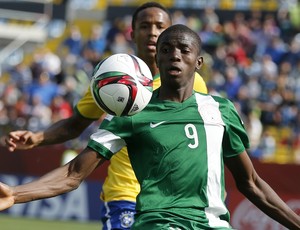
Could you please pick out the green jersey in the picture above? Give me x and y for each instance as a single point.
(176, 151)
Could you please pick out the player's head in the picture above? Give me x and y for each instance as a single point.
(148, 21)
(178, 54)
(179, 33)
(146, 6)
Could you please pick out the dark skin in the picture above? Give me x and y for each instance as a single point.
(149, 24)
(58, 132)
(176, 86)
(174, 58)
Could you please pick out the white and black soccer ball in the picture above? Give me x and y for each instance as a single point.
(122, 85)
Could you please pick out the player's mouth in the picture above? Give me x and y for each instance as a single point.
(151, 46)
(173, 70)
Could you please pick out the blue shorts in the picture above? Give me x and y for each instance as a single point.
(117, 215)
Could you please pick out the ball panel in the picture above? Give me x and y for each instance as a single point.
(122, 85)
(96, 95)
(115, 97)
(117, 62)
(142, 99)
(142, 72)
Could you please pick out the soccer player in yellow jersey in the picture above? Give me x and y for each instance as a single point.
(120, 188)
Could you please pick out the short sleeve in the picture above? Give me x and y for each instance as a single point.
(111, 135)
(235, 139)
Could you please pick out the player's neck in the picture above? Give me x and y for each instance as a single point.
(179, 95)
(150, 61)
(154, 69)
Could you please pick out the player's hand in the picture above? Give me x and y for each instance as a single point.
(21, 139)
(6, 196)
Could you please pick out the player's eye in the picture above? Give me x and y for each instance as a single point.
(161, 27)
(185, 51)
(143, 26)
(165, 50)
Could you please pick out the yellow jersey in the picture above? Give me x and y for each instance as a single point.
(121, 183)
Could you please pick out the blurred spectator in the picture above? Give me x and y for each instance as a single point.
(178, 17)
(73, 42)
(71, 47)
(73, 89)
(210, 18)
(294, 81)
(22, 109)
(60, 108)
(276, 49)
(232, 82)
(268, 31)
(21, 75)
(244, 36)
(269, 68)
(294, 12)
(116, 27)
(244, 101)
(255, 130)
(266, 147)
(40, 114)
(44, 88)
(11, 94)
(194, 22)
(292, 54)
(94, 47)
(236, 51)
(285, 25)
(4, 118)
(47, 61)
(120, 45)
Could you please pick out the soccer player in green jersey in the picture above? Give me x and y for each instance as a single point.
(178, 146)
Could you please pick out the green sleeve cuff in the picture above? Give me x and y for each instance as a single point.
(100, 149)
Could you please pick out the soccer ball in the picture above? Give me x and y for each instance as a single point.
(122, 85)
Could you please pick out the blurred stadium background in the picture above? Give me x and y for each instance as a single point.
(48, 51)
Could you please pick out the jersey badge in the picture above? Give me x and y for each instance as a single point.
(127, 219)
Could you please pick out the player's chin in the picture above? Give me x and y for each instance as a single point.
(150, 54)
(150, 49)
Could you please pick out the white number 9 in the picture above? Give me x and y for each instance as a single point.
(191, 133)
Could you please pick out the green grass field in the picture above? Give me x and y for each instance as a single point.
(18, 223)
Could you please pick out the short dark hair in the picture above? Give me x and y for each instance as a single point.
(145, 6)
(179, 28)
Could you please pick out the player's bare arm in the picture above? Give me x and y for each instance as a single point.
(6, 196)
(259, 192)
(59, 132)
(65, 129)
(61, 180)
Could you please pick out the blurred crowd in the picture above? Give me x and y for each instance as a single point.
(254, 60)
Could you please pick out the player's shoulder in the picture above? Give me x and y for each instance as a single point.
(225, 105)
(217, 98)
(199, 83)
(197, 75)
(222, 100)
(87, 107)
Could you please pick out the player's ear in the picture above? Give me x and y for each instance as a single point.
(199, 62)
